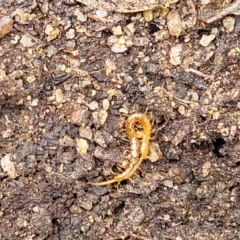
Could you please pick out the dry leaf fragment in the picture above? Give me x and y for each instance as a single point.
(6, 25)
(123, 6)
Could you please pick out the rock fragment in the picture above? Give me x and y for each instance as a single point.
(148, 15)
(82, 146)
(27, 41)
(176, 54)
(206, 168)
(79, 115)
(206, 39)
(8, 166)
(174, 23)
(228, 23)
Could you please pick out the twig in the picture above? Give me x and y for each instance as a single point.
(226, 11)
(176, 98)
(197, 72)
(21, 29)
(139, 237)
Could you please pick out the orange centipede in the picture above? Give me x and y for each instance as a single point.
(139, 146)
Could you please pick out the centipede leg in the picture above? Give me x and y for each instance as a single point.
(140, 170)
(152, 118)
(146, 111)
(124, 139)
(120, 168)
(135, 174)
(131, 181)
(114, 173)
(118, 183)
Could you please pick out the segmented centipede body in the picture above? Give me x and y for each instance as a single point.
(139, 146)
(144, 134)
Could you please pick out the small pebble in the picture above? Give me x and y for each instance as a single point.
(27, 41)
(168, 183)
(58, 95)
(206, 169)
(93, 105)
(79, 115)
(34, 102)
(176, 54)
(82, 146)
(80, 16)
(70, 33)
(103, 138)
(131, 27)
(155, 153)
(118, 48)
(101, 13)
(87, 205)
(206, 39)
(117, 30)
(148, 15)
(66, 141)
(31, 79)
(99, 118)
(85, 132)
(179, 238)
(105, 104)
(174, 23)
(8, 166)
(228, 23)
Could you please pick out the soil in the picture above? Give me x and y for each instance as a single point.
(70, 74)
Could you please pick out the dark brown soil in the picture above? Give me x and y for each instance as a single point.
(64, 94)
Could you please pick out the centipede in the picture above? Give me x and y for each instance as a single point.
(138, 129)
